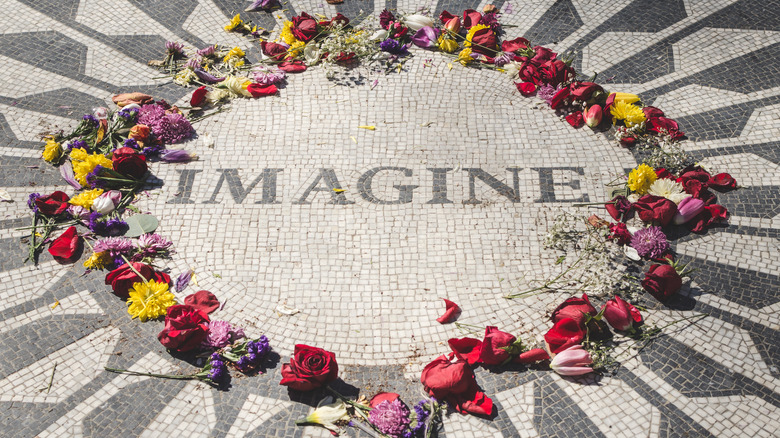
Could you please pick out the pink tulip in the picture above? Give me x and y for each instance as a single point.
(620, 314)
(453, 25)
(688, 209)
(593, 116)
(573, 361)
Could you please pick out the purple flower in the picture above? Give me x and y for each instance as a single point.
(177, 156)
(546, 92)
(194, 62)
(208, 51)
(221, 334)
(650, 242)
(393, 47)
(265, 5)
(128, 113)
(77, 144)
(174, 48)
(491, 20)
(390, 417)
(115, 246)
(90, 119)
(168, 127)
(218, 371)
(385, 18)
(426, 37)
(150, 245)
(503, 58)
(153, 149)
(255, 352)
(421, 415)
(31, 201)
(110, 227)
(93, 178)
(267, 75)
(130, 143)
(207, 77)
(183, 280)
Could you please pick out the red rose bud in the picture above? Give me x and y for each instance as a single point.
(526, 88)
(453, 24)
(593, 116)
(450, 313)
(688, 209)
(309, 368)
(122, 278)
(185, 328)
(619, 233)
(620, 314)
(257, 90)
(575, 308)
(455, 383)
(512, 46)
(129, 163)
(655, 209)
(565, 333)
(198, 97)
(662, 282)
(722, 181)
(67, 247)
(575, 119)
(304, 27)
(533, 355)
(53, 204)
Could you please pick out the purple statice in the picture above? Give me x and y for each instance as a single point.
(90, 119)
(393, 47)
(130, 143)
(208, 51)
(265, 5)
(152, 244)
(390, 417)
(174, 48)
(167, 127)
(93, 178)
(217, 372)
(268, 75)
(129, 114)
(650, 242)
(546, 92)
(106, 227)
(115, 246)
(421, 414)
(221, 334)
(255, 352)
(31, 201)
(503, 58)
(153, 149)
(76, 144)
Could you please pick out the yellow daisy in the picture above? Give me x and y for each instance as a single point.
(447, 44)
(630, 114)
(235, 23)
(149, 300)
(641, 178)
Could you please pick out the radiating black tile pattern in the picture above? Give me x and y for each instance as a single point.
(556, 414)
(745, 201)
(259, 17)
(52, 102)
(58, 10)
(560, 21)
(26, 172)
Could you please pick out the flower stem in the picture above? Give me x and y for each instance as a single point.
(162, 376)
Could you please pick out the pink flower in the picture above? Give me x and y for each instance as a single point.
(573, 361)
(688, 209)
(620, 314)
(593, 116)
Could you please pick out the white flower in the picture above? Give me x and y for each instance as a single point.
(669, 189)
(379, 35)
(311, 53)
(512, 69)
(217, 95)
(184, 77)
(416, 22)
(326, 416)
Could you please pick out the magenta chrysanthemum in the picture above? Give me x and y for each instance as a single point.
(115, 246)
(153, 244)
(390, 417)
(546, 92)
(268, 75)
(650, 242)
(169, 127)
(222, 333)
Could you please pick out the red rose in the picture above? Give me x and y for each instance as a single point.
(662, 173)
(722, 181)
(466, 349)
(129, 163)
(471, 18)
(652, 112)
(304, 27)
(53, 204)
(526, 88)
(489, 351)
(619, 233)
(620, 314)
(656, 209)
(620, 208)
(664, 126)
(584, 90)
(556, 72)
(274, 50)
(565, 333)
(662, 281)
(309, 368)
(67, 247)
(122, 278)
(511, 46)
(529, 72)
(338, 19)
(185, 328)
(711, 214)
(445, 17)
(198, 97)
(575, 308)
(484, 42)
(455, 383)
(257, 90)
(543, 54)
(575, 119)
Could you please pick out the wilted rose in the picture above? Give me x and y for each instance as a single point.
(662, 281)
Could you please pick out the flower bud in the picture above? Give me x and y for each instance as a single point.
(107, 202)
(416, 22)
(620, 314)
(573, 361)
(453, 25)
(688, 209)
(593, 116)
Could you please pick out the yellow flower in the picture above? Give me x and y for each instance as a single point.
(53, 150)
(149, 300)
(641, 178)
(464, 57)
(84, 163)
(472, 31)
(233, 57)
(631, 115)
(447, 44)
(98, 260)
(626, 97)
(235, 23)
(85, 199)
(286, 35)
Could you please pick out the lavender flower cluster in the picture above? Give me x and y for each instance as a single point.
(650, 242)
(256, 351)
(218, 372)
(167, 127)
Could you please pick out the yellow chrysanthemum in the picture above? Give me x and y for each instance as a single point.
(296, 49)
(234, 57)
(86, 198)
(641, 178)
(447, 44)
(286, 35)
(464, 57)
(235, 23)
(631, 115)
(149, 300)
(626, 97)
(98, 260)
(472, 31)
(53, 150)
(84, 163)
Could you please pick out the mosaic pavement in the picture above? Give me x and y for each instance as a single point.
(449, 197)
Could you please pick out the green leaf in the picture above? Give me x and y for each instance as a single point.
(141, 224)
(619, 191)
(560, 260)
